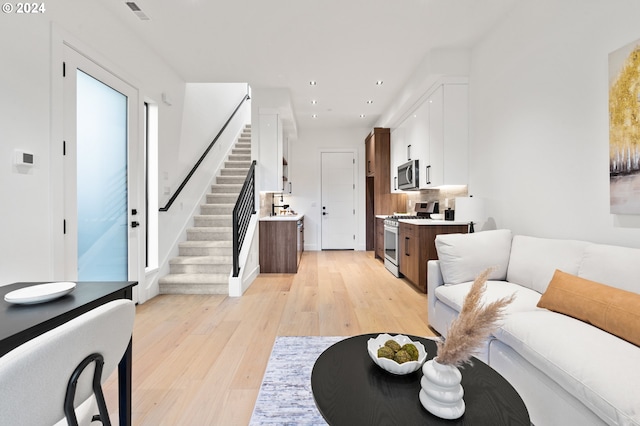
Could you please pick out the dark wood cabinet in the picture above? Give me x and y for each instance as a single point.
(379, 246)
(281, 245)
(379, 199)
(417, 247)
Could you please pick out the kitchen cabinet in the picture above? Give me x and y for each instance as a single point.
(274, 154)
(448, 136)
(417, 247)
(271, 142)
(281, 244)
(379, 245)
(436, 134)
(379, 199)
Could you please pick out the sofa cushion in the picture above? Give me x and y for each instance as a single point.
(611, 309)
(612, 265)
(526, 299)
(598, 368)
(534, 260)
(464, 256)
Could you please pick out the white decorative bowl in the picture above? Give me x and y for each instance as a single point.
(390, 365)
(437, 216)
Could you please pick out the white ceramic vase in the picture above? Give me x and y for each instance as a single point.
(441, 392)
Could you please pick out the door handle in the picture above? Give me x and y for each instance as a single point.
(406, 246)
(135, 224)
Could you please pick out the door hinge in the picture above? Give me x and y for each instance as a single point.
(354, 211)
(64, 69)
(354, 237)
(354, 160)
(64, 226)
(64, 147)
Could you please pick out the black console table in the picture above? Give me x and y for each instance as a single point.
(350, 389)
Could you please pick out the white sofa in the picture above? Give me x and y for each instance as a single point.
(568, 372)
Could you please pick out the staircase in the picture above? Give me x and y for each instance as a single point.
(205, 259)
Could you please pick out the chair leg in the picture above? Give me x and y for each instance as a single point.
(69, 409)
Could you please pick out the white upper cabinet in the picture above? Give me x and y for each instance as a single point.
(271, 152)
(448, 162)
(436, 134)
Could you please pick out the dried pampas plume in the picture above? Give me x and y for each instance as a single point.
(473, 325)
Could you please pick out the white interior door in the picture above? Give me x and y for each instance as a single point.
(338, 200)
(100, 127)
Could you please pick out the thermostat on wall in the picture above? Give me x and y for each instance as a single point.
(23, 158)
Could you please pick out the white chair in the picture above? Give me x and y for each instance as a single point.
(34, 376)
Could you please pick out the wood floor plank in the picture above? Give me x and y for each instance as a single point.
(200, 359)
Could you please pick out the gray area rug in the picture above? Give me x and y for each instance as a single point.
(285, 396)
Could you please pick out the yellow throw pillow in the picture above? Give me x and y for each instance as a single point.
(608, 308)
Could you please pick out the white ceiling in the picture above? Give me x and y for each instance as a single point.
(345, 45)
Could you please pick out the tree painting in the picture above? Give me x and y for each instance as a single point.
(624, 130)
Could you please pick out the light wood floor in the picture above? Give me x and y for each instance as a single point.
(199, 360)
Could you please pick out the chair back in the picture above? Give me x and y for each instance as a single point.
(34, 376)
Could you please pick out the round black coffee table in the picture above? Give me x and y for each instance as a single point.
(350, 389)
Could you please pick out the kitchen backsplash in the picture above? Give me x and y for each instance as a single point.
(446, 197)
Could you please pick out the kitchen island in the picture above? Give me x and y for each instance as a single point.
(417, 246)
(281, 243)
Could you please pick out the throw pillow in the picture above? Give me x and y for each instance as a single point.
(611, 309)
(463, 256)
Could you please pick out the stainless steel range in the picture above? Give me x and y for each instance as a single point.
(391, 234)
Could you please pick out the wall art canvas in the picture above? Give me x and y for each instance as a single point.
(624, 129)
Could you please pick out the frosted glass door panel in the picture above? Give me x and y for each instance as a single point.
(102, 181)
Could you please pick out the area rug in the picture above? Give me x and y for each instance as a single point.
(285, 396)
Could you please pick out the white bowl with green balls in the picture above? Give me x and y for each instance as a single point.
(396, 354)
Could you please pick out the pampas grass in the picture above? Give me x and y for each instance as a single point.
(473, 325)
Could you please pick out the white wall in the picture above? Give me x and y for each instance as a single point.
(304, 169)
(28, 117)
(539, 119)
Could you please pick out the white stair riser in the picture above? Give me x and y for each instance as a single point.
(203, 251)
(213, 288)
(226, 180)
(235, 172)
(222, 198)
(225, 188)
(212, 221)
(216, 209)
(220, 268)
(200, 235)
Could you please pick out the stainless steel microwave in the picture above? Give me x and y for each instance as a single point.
(408, 177)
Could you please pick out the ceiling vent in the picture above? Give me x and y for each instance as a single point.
(138, 12)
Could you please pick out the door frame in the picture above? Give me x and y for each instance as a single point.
(61, 40)
(356, 191)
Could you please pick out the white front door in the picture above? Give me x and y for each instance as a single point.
(338, 200)
(100, 125)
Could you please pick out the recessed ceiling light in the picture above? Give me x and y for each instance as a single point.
(362, 116)
(313, 102)
(379, 83)
(314, 116)
(313, 83)
(370, 101)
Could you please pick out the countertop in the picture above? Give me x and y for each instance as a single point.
(432, 222)
(283, 217)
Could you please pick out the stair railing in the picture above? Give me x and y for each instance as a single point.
(202, 157)
(245, 207)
